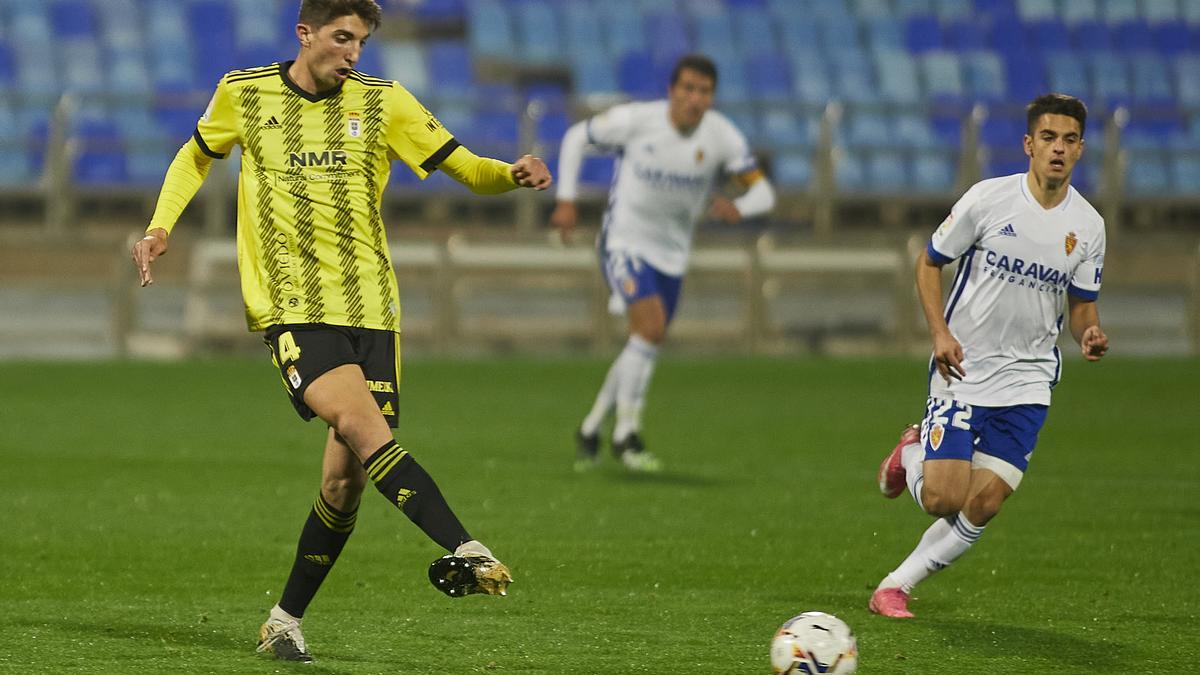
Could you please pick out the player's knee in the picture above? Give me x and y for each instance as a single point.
(983, 507)
(652, 332)
(939, 503)
(354, 424)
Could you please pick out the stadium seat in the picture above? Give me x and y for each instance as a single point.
(868, 129)
(812, 79)
(754, 32)
(733, 88)
(1025, 76)
(1187, 80)
(450, 72)
(1160, 11)
(922, 33)
(1185, 171)
(597, 171)
(404, 61)
(72, 19)
(850, 172)
(1119, 11)
(640, 77)
(1007, 35)
(1110, 80)
(884, 35)
(950, 11)
(907, 8)
(490, 32)
(668, 37)
(854, 78)
(101, 156)
(792, 170)
(899, 81)
(1090, 37)
(626, 30)
(537, 32)
(1133, 35)
(887, 172)
(782, 130)
(866, 10)
(1036, 10)
(213, 19)
(933, 172)
(943, 76)
(1147, 174)
(440, 11)
(769, 78)
(1002, 131)
(914, 132)
(1048, 34)
(964, 36)
(1078, 11)
(1151, 80)
(1066, 72)
(799, 34)
(81, 66)
(839, 35)
(985, 77)
(593, 76)
(1173, 38)
(714, 35)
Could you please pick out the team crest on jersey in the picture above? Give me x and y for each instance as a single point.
(699, 155)
(293, 377)
(1070, 242)
(353, 125)
(936, 434)
(629, 285)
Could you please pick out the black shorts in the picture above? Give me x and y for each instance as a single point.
(303, 352)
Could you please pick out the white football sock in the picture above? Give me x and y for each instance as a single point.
(943, 543)
(278, 613)
(605, 400)
(912, 457)
(634, 366)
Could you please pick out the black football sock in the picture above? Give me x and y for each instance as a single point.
(405, 484)
(321, 542)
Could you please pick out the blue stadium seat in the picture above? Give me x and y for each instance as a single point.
(593, 75)
(800, 34)
(1160, 11)
(1066, 73)
(1036, 10)
(596, 171)
(754, 32)
(744, 118)
(826, 9)
(1133, 35)
(1026, 76)
(854, 78)
(404, 61)
(866, 129)
(933, 172)
(915, 132)
(943, 76)
(899, 81)
(907, 8)
(8, 68)
(850, 172)
(537, 32)
(1007, 36)
(1078, 11)
(950, 11)
(640, 77)
(668, 37)
(1119, 11)
(101, 158)
(839, 35)
(1187, 80)
(212, 20)
(985, 76)
(581, 26)
(733, 88)
(884, 35)
(1190, 13)
(1151, 80)
(769, 78)
(1146, 174)
(781, 129)
(1110, 80)
(714, 35)
(626, 30)
(1005, 164)
(81, 66)
(72, 19)
(1173, 38)
(792, 170)
(865, 10)
(1091, 37)
(922, 33)
(887, 172)
(965, 36)
(1048, 34)
(489, 30)
(1002, 131)
(450, 72)
(812, 79)
(437, 10)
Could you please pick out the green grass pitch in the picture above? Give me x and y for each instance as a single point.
(150, 511)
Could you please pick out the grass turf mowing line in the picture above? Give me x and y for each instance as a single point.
(151, 513)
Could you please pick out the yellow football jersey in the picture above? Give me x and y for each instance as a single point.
(311, 244)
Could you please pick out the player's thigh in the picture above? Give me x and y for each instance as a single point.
(341, 398)
(305, 352)
(648, 318)
(948, 439)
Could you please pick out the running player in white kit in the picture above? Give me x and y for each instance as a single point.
(670, 156)
(1023, 243)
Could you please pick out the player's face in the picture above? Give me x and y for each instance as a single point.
(1053, 148)
(689, 98)
(333, 49)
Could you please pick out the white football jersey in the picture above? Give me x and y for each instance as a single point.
(662, 178)
(1017, 263)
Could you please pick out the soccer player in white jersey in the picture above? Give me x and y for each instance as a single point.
(671, 154)
(1023, 243)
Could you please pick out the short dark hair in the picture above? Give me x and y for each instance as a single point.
(1055, 104)
(317, 13)
(697, 62)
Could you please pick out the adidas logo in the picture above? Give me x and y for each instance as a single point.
(1008, 231)
(271, 123)
(321, 559)
(387, 409)
(403, 496)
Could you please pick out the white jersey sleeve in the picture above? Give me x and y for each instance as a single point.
(1085, 283)
(959, 231)
(612, 129)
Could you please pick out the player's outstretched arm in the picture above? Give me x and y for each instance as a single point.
(947, 352)
(1085, 326)
(531, 172)
(487, 176)
(184, 177)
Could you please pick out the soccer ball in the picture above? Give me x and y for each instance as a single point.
(814, 642)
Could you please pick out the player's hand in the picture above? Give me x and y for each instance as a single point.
(723, 209)
(948, 356)
(146, 251)
(531, 172)
(564, 217)
(1094, 343)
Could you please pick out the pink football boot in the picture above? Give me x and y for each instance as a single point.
(890, 602)
(891, 472)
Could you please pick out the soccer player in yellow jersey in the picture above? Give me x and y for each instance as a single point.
(317, 139)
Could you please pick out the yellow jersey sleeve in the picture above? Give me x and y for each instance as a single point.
(484, 175)
(217, 131)
(415, 136)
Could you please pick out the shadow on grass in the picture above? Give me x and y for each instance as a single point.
(1000, 640)
(158, 639)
